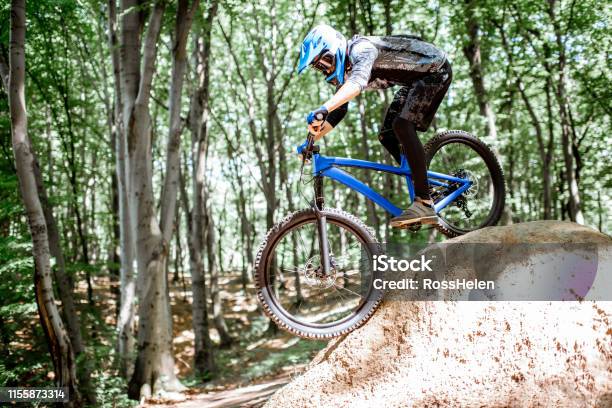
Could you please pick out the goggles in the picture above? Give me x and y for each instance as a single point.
(324, 63)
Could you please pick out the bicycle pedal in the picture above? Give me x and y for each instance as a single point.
(417, 227)
(412, 227)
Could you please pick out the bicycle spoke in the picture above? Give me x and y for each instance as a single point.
(472, 208)
(304, 291)
(348, 290)
(301, 239)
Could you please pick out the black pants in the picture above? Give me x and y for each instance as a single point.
(413, 108)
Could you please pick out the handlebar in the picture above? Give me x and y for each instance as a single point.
(307, 152)
(310, 148)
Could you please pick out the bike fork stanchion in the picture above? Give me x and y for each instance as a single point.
(317, 204)
(323, 244)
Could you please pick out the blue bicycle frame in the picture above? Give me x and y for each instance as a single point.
(330, 167)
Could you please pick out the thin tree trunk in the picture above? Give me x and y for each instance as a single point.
(114, 268)
(64, 287)
(266, 158)
(387, 14)
(472, 52)
(208, 225)
(548, 157)
(63, 280)
(372, 216)
(217, 308)
(114, 257)
(271, 200)
(245, 227)
(543, 149)
(204, 359)
(599, 212)
(25, 164)
(575, 211)
(178, 250)
(184, 18)
(74, 191)
(283, 174)
(511, 211)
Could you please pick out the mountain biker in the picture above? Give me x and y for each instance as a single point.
(364, 63)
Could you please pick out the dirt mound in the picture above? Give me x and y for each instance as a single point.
(471, 353)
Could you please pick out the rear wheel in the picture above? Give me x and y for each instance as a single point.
(292, 287)
(461, 154)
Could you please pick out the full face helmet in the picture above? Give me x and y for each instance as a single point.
(325, 49)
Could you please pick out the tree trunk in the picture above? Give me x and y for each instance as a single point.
(372, 216)
(284, 180)
(599, 212)
(217, 308)
(204, 360)
(270, 143)
(548, 156)
(184, 18)
(266, 158)
(472, 52)
(178, 249)
(25, 164)
(544, 149)
(114, 261)
(64, 287)
(387, 14)
(63, 280)
(154, 366)
(127, 284)
(245, 227)
(575, 211)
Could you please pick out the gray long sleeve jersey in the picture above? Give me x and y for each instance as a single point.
(381, 62)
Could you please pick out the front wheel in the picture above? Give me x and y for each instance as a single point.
(294, 290)
(460, 154)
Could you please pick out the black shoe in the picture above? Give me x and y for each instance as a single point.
(417, 213)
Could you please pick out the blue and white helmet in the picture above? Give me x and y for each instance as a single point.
(322, 41)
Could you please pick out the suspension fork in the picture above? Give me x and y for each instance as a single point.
(317, 205)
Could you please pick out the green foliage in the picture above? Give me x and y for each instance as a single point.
(21, 361)
(255, 121)
(110, 388)
(256, 362)
(110, 392)
(299, 352)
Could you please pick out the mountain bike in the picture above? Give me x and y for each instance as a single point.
(313, 271)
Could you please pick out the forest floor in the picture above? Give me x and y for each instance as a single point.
(250, 396)
(258, 362)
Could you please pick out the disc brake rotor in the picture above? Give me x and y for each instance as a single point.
(473, 189)
(313, 274)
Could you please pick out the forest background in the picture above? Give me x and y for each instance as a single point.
(165, 132)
